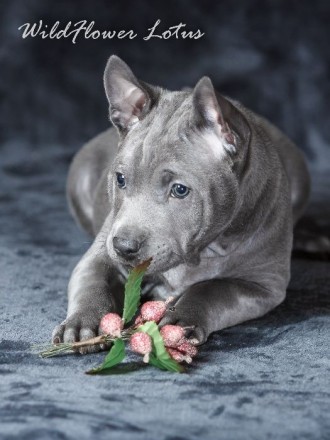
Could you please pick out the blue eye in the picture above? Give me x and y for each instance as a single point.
(121, 181)
(179, 191)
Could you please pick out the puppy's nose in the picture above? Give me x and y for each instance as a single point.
(126, 247)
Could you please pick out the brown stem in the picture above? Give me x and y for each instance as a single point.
(98, 340)
(93, 341)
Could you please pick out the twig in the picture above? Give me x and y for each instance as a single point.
(51, 350)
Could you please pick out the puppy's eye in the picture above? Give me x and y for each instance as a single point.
(121, 180)
(179, 191)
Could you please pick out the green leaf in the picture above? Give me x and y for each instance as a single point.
(166, 364)
(159, 357)
(114, 357)
(151, 328)
(133, 290)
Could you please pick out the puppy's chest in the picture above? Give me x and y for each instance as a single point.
(181, 277)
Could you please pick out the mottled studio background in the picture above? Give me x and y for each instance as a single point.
(272, 55)
(264, 379)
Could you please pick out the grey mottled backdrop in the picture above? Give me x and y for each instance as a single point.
(272, 55)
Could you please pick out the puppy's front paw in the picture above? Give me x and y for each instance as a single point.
(191, 320)
(80, 326)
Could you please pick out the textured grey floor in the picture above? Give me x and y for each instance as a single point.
(266, 379)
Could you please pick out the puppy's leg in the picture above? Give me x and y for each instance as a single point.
(216, 304)
(93, 291)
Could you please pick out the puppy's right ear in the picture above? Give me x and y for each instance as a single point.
(129, 99)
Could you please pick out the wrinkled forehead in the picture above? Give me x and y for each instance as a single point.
(161, 135)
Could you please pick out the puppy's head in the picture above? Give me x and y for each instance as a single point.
(173, 185)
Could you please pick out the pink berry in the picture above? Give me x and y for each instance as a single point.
(140, 342)
(178, 356)
(173, 335)
(138, 320)
(187, 348)
(112, 324)
(153, 311)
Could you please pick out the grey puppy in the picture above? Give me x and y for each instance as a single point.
(205, 187)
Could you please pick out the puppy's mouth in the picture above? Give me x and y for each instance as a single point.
(164, 257)
(156, 266)
(129, 262)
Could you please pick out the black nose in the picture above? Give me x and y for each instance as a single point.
(126, 247)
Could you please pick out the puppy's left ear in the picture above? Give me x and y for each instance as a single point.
(214, 112)
(129, 99)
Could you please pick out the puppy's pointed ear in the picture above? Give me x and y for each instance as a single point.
(129, 99)
(208, 114)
